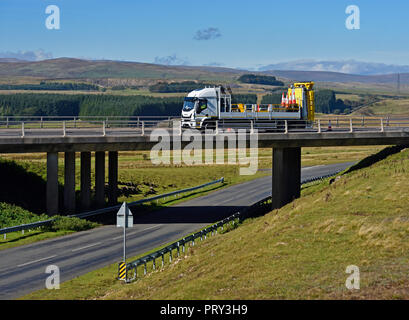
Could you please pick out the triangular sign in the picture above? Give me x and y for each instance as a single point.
(124, 217)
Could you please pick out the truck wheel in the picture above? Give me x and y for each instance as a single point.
(209, 126)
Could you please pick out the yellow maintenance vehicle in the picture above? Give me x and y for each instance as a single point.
(209, 107)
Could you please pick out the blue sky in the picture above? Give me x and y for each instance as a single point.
(248, 33)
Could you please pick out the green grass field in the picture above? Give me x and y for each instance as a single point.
(392, 107)
(300, 251)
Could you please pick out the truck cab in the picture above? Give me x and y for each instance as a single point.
(200, 105)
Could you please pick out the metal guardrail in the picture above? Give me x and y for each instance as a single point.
(259, 207)
(190, 239)
(321, 177)
(108, 209)
(81, 118)
(102, 126)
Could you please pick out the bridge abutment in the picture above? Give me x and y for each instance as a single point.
(286, 176)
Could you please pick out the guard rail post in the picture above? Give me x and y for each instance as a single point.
(22, 129)
(319, 126)
(351, 129)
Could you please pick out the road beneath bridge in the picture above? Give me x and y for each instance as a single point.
(22, 269)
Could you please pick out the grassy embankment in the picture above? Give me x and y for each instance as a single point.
(138, 178)
(300, 251)
(392, 107)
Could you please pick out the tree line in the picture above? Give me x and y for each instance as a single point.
(51, 86)
(34, 104)
(259, 79)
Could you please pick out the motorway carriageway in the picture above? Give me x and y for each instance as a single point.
(22, 269)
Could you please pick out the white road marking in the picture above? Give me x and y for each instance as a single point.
(129, 234)
(31, 262)
(88, 246)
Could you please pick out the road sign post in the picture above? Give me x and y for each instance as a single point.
(124, 219)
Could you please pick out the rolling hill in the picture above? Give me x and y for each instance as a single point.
(70, 68)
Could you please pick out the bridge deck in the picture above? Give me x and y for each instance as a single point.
(127, 141)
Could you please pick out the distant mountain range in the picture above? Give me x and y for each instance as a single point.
(324, 76)
(348, 66)
(70, 68)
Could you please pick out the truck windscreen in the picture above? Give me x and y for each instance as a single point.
(188, 104)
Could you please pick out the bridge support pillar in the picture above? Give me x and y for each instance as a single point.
(113, 177)
(100, 178)
(69, 182)
(85, 196)
(52, 183)
(286, 176)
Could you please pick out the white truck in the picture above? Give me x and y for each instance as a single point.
(211, 107)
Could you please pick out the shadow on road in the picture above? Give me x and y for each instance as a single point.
(175, 214)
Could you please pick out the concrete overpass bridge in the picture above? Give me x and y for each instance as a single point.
(107, 142)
